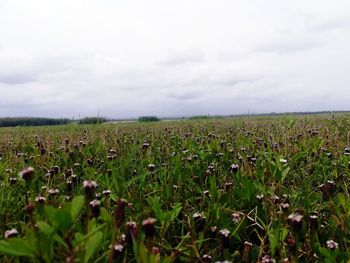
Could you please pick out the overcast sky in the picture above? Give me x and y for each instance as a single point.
(126, 58)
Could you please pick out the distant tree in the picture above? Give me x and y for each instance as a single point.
(200, 117)
(29, 121)
(148, 118)
(93, 120)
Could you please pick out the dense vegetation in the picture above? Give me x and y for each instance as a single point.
(242, 190)
(23, 121)
(148, 118)
(92, 120)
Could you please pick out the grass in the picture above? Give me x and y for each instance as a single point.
(242, 190)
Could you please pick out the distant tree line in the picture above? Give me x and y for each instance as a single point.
(92, 120)
(13, 122)
(148, 118)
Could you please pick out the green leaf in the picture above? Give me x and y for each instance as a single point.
(60, 240)
(16, 247)
(45, 228)
(78, 237)
(154, 202)
(92, 245)
(285, 173)
(77, 205)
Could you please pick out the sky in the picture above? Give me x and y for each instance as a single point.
(129, 58)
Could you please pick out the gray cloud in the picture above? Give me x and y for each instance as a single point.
(16, 79)
(179, 58)
(125, 59)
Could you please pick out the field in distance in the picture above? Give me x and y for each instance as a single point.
(249, 189)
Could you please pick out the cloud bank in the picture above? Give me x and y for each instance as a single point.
(124, 59)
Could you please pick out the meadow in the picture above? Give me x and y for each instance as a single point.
(253, 189)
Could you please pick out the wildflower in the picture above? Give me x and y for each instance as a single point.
(212, 231)
(275, 199)
(131, 232)
(29, 209)
(260, 197)
(107, 192)
(267, 259)
(206, 258)
(53, 192)
(148, 226)
(292, 243)
(155, 250)
(95, 207)
(199, 220)
(40, 199)
(11, 233)
(247, 248)
(236, 217)
(145, 146)
(89, 188)
(332, 244)
(314, 222)
(225, 237)
(327, 188)
(27, 174)
(284, 206)
(228, 186)
(120, 211)
(151, 167)
(117, 251)
(13, 180)
(295, 221)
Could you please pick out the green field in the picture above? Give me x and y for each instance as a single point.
(252, 189)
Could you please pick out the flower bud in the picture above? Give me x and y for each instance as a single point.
(148, 226)
(295, 221)
(206, 258)
(89, 188)
(225, 237)
(131, 232)
(11, 233)
(95, 208)
(234, 168)
(120, 212)
(246, 251)
(27, 174)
